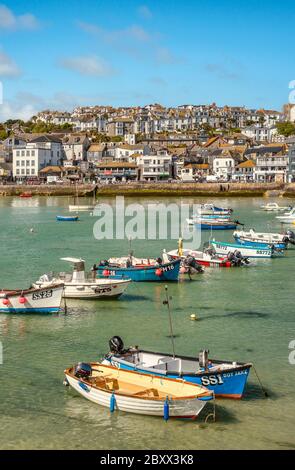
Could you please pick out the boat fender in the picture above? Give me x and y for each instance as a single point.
(5, 301)
(106, 272)
(112, 403)
(166, 409)
(22, 299)
(66, 382)
(159, 272)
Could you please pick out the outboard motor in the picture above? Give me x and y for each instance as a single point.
(104, 262)
(83, 370)
(204, 358)
(291, 236)
(190, 262)
(116, 345)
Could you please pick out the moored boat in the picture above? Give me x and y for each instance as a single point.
(274, 207)
(32, 300)
(135, 392)
(208, 258)
(80, 208)
(225, 378)
(67, 218)
(25, 194)
(247, 251)
(287, 217)
(279, 240)
(208, 209)
(80, 285)
(215, 224)
(140, 269)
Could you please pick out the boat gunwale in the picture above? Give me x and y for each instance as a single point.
(30, 290)
(240, 365)
(206, 392)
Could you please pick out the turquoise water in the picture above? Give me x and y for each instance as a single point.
(243, 314)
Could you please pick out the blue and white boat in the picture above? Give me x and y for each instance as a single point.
(140, 270)
(209, 209)
(215, 224)
(67, 218)
(247, 251)
(279, 240)
(264, 245)
(227, 379)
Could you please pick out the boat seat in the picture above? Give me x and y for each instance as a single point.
(149, 392)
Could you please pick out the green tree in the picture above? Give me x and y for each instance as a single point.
(285, 128)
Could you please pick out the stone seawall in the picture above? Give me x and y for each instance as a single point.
(156, 189)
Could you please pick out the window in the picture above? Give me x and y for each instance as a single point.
(18, 153)
(17, 171)
(32, 171)
(17, 163)
(28, 153)
(23, 153)
(32, 153)
(23, 171)
(23, 163)
(27, 171)
(28, 162)
(32, 162)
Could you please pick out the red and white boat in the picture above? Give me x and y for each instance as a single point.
(205, 258)
(26, 194)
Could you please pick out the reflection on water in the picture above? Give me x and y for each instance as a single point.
(242, 314)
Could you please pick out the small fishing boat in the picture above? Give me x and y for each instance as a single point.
(259, 245)
(32, 300)
(80, 208)
(209, 209)
(135, 392)
(208, 258)
(25, 194)
(67, 218)
(287, 217)
(225, 378)
(279, 240)
(81, 285)
(247, 251)
(140, 269)
(215, 224)
(196, 218)
(274, 207)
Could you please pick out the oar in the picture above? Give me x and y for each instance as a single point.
(166, 302)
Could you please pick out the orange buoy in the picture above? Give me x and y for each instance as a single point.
(22, 300)
(5, 301)
(106, 272)
(159, 272)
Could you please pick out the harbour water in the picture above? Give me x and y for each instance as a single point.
(244, 314)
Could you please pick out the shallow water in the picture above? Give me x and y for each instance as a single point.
(244, 314)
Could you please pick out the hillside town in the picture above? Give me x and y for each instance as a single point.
(189, 143)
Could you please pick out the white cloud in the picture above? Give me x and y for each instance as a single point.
(88, 65)
(10, 21)
(117, 35)
(145, 12)
(8, 68)
(165, 56)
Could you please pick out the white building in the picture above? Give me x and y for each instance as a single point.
(28, 160)
(154, 167)
(260, 133)
(223, 165)
(75, 147)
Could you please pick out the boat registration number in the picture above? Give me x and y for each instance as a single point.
(211, 380)
(45, 294)
(168, 268)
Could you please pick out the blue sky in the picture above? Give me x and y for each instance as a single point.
(58, 54)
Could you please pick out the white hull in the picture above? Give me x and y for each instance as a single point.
(177, 408)
(38, 300)
(103, 288)
(73, 208)
(274, 207)
(262, 237)
(286, 219)
(246, 252)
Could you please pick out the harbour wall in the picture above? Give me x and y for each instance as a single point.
(155, 189)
